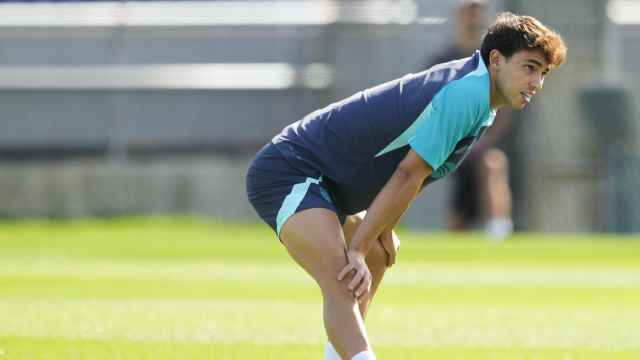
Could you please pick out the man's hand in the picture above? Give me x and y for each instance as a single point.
(360, 283)
(391, 244)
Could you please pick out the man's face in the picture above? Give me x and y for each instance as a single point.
(519, 77)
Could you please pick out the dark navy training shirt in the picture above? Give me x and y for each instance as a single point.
(357, 143)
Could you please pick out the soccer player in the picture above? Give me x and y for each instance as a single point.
(334, 185)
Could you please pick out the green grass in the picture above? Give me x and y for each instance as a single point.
(159, 288)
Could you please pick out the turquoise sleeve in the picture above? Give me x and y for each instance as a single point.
(449, 117)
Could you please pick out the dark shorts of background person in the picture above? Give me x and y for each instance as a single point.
(277, 190)
(466, 197)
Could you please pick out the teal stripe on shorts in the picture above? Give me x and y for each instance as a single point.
(293, 200)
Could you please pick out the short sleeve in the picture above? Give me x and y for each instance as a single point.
(450, 117)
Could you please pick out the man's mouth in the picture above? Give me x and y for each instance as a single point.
(526, 96)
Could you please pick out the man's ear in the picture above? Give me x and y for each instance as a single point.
(496, 57)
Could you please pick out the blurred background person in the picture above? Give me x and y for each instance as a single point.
(481, 193)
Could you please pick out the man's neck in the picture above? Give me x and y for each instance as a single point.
(495, 100)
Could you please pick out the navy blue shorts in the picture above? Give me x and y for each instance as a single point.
(277, 190)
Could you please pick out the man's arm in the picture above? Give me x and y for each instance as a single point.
(385, 211)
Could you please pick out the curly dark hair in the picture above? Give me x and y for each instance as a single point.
(511, 33)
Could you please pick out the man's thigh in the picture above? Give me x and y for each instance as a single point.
(314, 239)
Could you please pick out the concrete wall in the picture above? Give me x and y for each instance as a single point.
(211, 185)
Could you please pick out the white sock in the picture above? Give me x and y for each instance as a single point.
(365, 355)
(330, 352)
(499, 228)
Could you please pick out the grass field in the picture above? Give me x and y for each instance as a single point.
(196, 289)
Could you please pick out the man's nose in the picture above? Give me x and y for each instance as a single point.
(537, 82)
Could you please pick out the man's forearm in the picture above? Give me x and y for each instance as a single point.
(387, 208)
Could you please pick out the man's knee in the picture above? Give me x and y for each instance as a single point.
(495, 161)
(351, 224)
(377, 257)
(337, 290)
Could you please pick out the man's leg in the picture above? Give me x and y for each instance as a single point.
(464, 201)
(497, 194)
(315, 240)
(376, 261)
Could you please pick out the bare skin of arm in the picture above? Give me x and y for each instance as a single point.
(383, 214)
